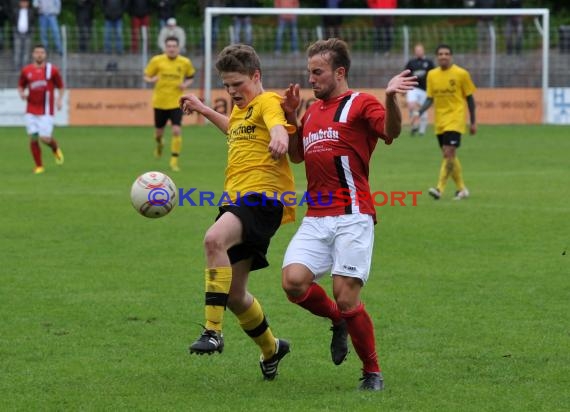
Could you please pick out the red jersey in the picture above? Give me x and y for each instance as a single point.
(338, 138)
(41, 83)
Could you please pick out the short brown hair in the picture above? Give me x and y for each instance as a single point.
(239, 58)
(337, 50)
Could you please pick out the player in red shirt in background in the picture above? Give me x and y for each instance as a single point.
(337, 136)
(40, 79)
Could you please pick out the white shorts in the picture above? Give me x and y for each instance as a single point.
(340, 245)
(416, 95)
(40, 124)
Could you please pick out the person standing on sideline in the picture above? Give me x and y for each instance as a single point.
(514, 29)
(336, 138)
(139, 11)
(171, 74)
(84, 10)
(164, 11)
(236, 244)
(49, 10)
(23, 31)
(36, 85)
(287, 21)
(332, 23)
(383, 25)
(172, 30)
(113, 11)
(5, 15)
(448, 87)
(419, 66)
(242, 22)
(484, 24)
(215, 21)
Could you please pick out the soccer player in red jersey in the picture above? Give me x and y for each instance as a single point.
(37, 85)
(336, 138)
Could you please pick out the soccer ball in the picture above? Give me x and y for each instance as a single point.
(153, 194)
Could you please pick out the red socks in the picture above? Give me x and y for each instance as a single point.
(358, 322)
(52, 144)
(318, 303)
(361, 331)
(36, 152)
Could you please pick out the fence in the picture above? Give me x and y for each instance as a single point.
(485, 53)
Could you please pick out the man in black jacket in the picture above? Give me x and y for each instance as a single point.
(23, 23)
(84, 19)
(139, 10)
(113, 12)
(165, 10)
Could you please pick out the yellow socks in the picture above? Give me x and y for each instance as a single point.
(176, 145)
(457, 174)
(253, 322)
(444, 172)
(175, 148)
(218, 282)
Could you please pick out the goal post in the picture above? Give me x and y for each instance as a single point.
(543, 27)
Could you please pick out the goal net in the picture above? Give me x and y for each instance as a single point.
(501, 48)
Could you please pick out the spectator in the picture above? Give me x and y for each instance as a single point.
(23, 30)
(332, 23)
(5, 13)
(139, 11)
(484, 24)
(284, 21)
(172, 30)
(113, 13)
(165, 10)
(215, 20)
(514, 29)
(48, 12)
(243, 22)
(84, 19)
(383, 25)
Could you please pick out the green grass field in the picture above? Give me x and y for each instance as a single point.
(470, 299)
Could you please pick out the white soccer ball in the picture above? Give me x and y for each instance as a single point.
(153, 194)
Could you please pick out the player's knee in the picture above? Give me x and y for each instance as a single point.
(213, 244)
(294, 281)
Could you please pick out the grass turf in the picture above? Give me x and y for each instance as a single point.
(469, 299)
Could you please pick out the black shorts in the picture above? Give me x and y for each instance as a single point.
(449, 139)
(161, 117)
(260, 222)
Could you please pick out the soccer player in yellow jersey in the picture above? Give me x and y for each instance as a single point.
(448, 88)
(171, 74)
(257, 176)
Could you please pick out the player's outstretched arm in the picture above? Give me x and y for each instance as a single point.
(191, 103)
(400, 83)
(290, 104)
(472, 121)
(279, 143)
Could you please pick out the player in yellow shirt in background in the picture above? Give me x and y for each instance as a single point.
(448, 87)
(257, 177)
(171, 74)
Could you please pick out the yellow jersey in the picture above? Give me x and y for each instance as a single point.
(250, 165)
(171, 73)
(449, 89)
